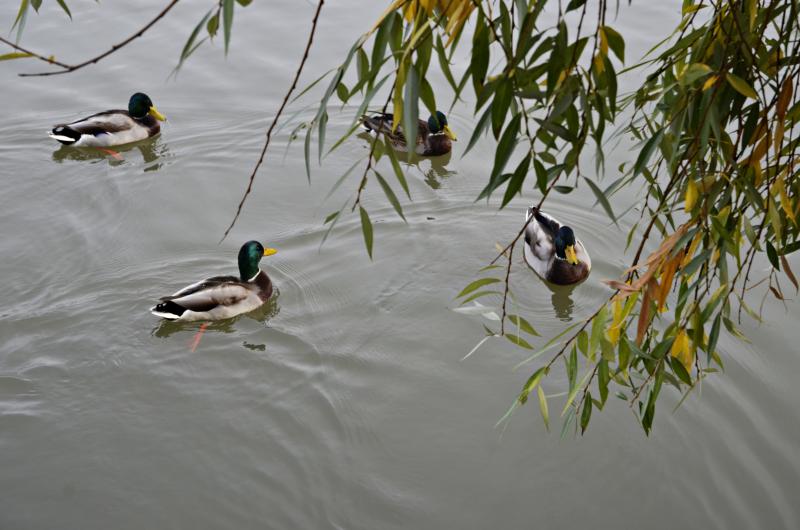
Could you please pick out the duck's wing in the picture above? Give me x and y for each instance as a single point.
(212, 299)
(382, 123)
(112, 127)
(208, 283)
(539, 234)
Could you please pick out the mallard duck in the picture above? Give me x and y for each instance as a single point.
(433, 136)
(113, 127)
(222, 297)
(552, 251)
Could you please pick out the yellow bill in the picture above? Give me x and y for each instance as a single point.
(270, 251)
(449, 132)
(571, 256)
(157, 115)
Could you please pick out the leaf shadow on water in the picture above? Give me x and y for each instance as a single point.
(153, 152)
(167, 328)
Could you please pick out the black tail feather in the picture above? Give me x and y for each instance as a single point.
(65, 134)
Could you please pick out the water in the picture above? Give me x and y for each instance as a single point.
(343, 404)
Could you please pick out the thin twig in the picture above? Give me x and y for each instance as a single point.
(275, 120)
(114, 48)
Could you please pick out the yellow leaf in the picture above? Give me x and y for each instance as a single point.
(692, 194)
(682, 350)
(741, 86)
(616, 323)
(710, 82)
(603, 42)
(692, 249)
(598, 64)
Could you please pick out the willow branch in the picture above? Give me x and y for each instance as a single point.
(275, 120)
(114, 48)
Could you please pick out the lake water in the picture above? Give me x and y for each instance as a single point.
(343, 404)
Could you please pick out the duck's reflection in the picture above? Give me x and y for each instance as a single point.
(167, 328)
(563, 304)
(153, 152)
(434, 175)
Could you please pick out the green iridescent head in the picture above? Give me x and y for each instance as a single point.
(140, 105)
(249, 256)
(437, 123)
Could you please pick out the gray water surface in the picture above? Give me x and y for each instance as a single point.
(343, 403)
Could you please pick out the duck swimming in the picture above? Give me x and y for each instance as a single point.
(552, 251)
(113, 127)
(433, 136)
(222, 297)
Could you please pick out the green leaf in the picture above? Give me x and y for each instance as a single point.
(519, 341)
(411, 109)
(615, 42)
(307, 150)
(523, 324)
(427, 96)
(587, 412)
(772, 254)
(64, 6)
(713, 336)
(390, 195)
(322, 127)
(517, 179)
(14, 55)
(543, 407)
(506, 147)
(189, 47)
(480, 128)
(741, 86)
(213, 25)
(227, 21)
(366, 228)
(244, 3)
(531, 383)
(598, 328)
(601, 198)
(646, 152)
(476, 285)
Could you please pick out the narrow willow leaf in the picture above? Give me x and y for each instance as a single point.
(713, 336)
(647, 152)
(519, 341)
(479, 294)
(506, 147)
(598, 327)
(64, 6)
(190, 42)
(517, 179)
(14, 55)
(741, 86)
(530, 384)
(587, 412)
(331, 217)
(366, 228)
(307, 151)
(390, 195)
(398, 171)
(615, 42)
(543, 407)
(480, 129)
(574, 391)
(523, 324)
(601, 198)
(322, 128)
(335, 220)
(789, 273)
(411, 109)
(473, 350)
(476, 285)
(772, 254)
(227, 22)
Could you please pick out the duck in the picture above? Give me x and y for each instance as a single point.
(552, 250)
(434, 137)
(222, 297)
(113, 127)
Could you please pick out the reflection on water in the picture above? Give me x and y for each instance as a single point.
(433, 176)
(153, 152)
(271, 309)
(562, 301)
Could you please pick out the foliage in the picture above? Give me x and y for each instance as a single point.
(715, 116)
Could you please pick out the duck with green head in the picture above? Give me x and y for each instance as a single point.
(434, 137)
(222, 297)
(113, 127)
(552, 250)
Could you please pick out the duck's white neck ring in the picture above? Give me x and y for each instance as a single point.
(255, 276)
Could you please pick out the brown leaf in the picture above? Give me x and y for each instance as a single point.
(784, 98)
(789, 272)
(775, 292)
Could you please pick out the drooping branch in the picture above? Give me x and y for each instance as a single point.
(116, 47)
(275, 120)
(48, 60)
